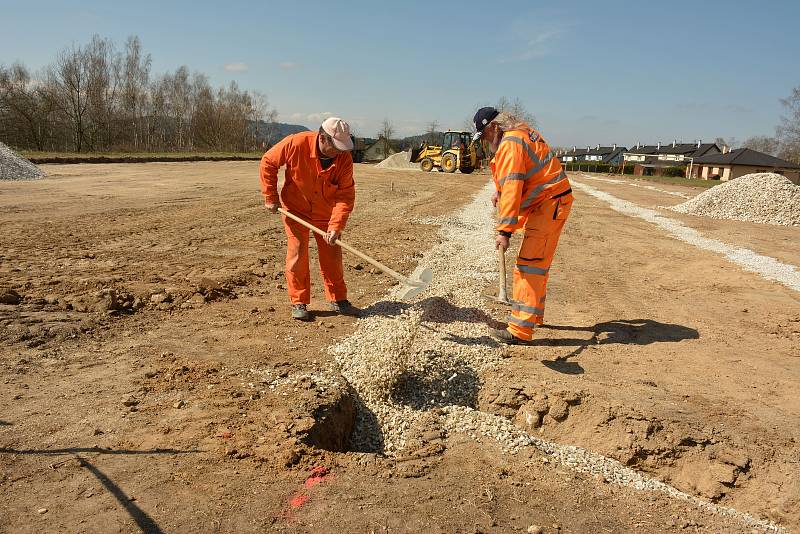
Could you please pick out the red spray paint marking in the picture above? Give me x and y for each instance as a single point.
(299, 498)
(318, 475)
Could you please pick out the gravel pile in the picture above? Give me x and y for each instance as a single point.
(760, 197)
(15, 167)
(398, 161)
(406, 359)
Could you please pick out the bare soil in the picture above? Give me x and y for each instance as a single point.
(153, 381)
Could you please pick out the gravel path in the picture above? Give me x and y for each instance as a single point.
(417, 367)
(765, 266)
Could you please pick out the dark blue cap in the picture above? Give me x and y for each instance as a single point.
(483, 117)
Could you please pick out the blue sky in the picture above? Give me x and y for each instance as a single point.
(591, 72)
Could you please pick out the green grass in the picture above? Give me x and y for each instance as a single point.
(139, 155)
(671, 180)
(674, 180)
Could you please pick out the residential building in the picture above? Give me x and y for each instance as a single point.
(651, 160)
(599, 154)
(739, 162)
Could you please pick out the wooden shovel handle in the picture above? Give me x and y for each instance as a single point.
(394, 274)
(501, 256)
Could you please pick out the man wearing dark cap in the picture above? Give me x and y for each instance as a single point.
(319, 188)
(532, 194)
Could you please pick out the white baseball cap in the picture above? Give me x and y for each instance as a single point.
(339, 132)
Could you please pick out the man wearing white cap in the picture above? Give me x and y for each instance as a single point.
(319, 188)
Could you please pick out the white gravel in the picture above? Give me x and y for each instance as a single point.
(399, 162)
(765, 266)
(422, 363)
(15, 167)
(760, 197)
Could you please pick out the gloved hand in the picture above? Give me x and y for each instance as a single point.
(332, 236)
(273, 208)
(495, 198)
(501, 242)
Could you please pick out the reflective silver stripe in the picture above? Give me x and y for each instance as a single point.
(520, 322)
(527, 309)
(531, 153)
(538, 189)
(512, 176)
(527, 269)
(544, 162)
(508, 220)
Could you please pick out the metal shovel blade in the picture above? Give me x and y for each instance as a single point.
(416, 283)
(500, 299)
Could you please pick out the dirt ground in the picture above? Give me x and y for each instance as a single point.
(152, 381)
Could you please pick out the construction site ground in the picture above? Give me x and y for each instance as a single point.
(152, 295)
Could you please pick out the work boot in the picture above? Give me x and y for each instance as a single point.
(502, 335)
(300, 312)
(344, 307)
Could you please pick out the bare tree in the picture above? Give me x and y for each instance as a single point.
(95, 98)
(789, 130)
(385, 135)
(102, 82)
(516, 108)
(25, 109)
(69, 80)
(762, 143)
(136, 75)
(430, 132)
(726, 144)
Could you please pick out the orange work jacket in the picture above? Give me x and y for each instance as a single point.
(309, 191)
(525, 172)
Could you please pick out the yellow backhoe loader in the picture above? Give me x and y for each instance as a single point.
(457, 152)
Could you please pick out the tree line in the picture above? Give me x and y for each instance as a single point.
(95, 98)
(785, 144)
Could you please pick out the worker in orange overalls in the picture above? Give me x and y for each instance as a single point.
(532, 193)
(319, 188)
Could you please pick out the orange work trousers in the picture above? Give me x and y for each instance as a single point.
(298, 275)
(532, 269)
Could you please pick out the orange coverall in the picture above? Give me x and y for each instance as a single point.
(323, 197)
(534, 194)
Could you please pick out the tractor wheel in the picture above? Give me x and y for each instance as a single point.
(449, 163)
(426, 164)
(467, 170)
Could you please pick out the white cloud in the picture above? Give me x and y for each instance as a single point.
(318, 117)
(237, 67)
(533, 47)
(288, 65)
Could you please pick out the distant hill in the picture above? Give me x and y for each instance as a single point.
(272, 132)
(415, 140)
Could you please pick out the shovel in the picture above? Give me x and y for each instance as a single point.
(502, 296)
(410, 287)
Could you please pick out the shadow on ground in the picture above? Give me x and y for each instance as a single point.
(623, 331)
(142, 519)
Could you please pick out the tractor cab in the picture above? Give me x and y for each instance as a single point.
(456, 140)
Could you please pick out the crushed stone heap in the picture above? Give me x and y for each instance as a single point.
(398, 161)
(15, 167)
(759, 197)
